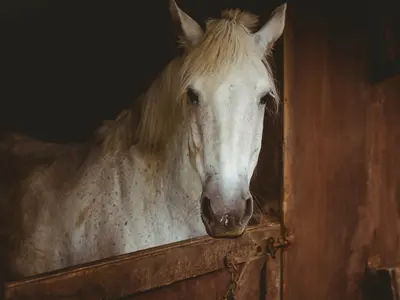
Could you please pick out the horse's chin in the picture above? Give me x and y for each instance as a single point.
(233, 233)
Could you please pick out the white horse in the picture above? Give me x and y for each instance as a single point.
(176, 165)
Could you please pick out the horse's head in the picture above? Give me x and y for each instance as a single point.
(227, 83)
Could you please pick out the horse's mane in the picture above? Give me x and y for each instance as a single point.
(154, 119)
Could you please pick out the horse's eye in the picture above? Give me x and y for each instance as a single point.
(264, 99)
(192, 96)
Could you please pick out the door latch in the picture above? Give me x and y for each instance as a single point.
(275, 244)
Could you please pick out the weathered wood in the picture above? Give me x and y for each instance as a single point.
(211, 286)
(384, 183)
(249, 279)
(273, 278)
(384, 158)
(325, 151)
(144, 270)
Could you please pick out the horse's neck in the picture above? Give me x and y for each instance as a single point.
(165, 195)
(182, 175)
(161, 198)
(175, 178)
(139, 179)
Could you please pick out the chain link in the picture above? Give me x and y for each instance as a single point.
(272, 246)
(235, 275)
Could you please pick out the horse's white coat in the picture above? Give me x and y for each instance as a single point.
(97, 218)
(112, 204)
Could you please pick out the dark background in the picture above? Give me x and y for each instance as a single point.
(67, 65)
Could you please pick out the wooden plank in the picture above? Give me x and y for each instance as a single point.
(382, 216)
(273, 277)
(144, 270)
(211, 286)
(248, 283)
(325, 175)
(384, 145)
(384, 177)
(216, 284)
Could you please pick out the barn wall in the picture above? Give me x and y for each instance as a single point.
(341, 162)
(384, 160)
(384, 164)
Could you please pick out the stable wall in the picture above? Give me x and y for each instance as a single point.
(341, 152)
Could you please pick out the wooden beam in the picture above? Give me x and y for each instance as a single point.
(327, 204)
(144, 270)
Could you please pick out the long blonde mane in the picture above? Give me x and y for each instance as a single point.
(155, 118)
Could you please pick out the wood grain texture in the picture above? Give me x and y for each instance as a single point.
(327, 150)
(341, 162)
(273, 278)
(384, 171)
(211, 286)
(150, 269)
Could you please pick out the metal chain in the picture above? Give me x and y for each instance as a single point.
(235, 276)
(273, 245)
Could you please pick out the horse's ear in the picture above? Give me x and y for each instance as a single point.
(271, 31)
(190, 28)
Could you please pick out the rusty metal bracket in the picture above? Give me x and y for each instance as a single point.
(275, 244)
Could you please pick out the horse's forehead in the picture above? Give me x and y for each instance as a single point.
(246, 77)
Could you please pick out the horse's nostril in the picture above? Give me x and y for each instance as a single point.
(248, 207)
(206, 209)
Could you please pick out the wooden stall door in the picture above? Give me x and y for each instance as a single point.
(384, 177)
(341, 161)
(197, 269)
(325, 150)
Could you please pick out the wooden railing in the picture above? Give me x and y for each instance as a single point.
(132, 274)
